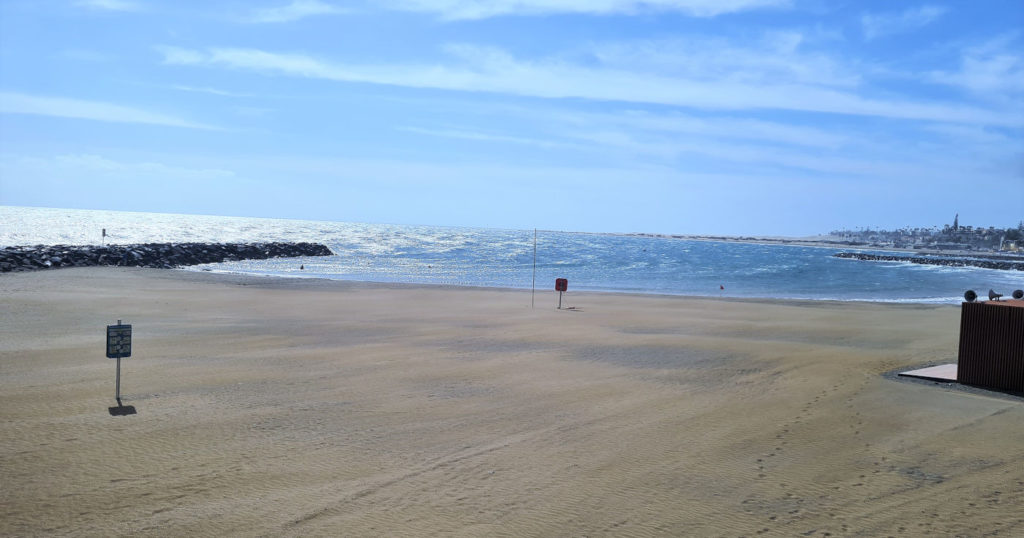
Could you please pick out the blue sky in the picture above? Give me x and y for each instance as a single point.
(769, 117)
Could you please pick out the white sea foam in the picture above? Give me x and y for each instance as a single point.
(30, 226)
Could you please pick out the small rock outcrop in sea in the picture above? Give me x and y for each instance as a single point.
(158, 255)
(1006, 265)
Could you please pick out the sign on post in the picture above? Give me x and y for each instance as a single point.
(119, 346)
(561, 286)
(119, 341)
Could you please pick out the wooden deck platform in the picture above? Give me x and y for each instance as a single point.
(942, 372)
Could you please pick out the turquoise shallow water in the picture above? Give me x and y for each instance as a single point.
(504, 258)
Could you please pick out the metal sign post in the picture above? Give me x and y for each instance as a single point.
(561, 285)
(533, 286)
(119, 344)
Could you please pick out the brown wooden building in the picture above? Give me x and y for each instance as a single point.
(992, 345)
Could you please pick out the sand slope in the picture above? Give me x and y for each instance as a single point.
(298, 408)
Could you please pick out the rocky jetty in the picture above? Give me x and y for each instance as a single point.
(1006, 265)
(159, 255)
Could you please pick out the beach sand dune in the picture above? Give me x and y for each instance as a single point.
(304, 407)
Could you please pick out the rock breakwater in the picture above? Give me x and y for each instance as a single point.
(158, 255)
(1006, 265)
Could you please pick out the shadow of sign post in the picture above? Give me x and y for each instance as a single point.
(119, 345)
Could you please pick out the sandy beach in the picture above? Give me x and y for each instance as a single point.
(293, 407)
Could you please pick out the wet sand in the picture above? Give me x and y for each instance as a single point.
(302, 408)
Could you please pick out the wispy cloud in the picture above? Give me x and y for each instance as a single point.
(772, 57)
(92, 163)
(64, 107)
(111, 5)
(717, 128)
(481, 9)
(475, 135)
(994, 67)
(736, 153)
(495, 71)
(827, 149)
(211, 91)
(877, 25)
(297, 9)
(178, 55)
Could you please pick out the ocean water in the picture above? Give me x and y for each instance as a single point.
(505, 258)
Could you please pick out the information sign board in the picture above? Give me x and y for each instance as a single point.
(119, 341)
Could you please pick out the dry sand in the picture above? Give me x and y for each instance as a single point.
(301, 407)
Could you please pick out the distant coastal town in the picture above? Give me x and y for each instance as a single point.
(952, 245)
(949, 237)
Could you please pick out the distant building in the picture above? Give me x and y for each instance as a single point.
(950, 237)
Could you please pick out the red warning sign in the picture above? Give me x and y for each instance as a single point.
(561, 284)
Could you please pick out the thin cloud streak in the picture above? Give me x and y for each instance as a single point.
(722, 128)
(136, 170)
(466, 134)
(494, 71)
(296, 10)
(772, 57)
(111, 5)
(211, 91)
(994, 67)
(63, 107)
(760, 160)
(757, 147)
(884, 24)
(482, 9)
